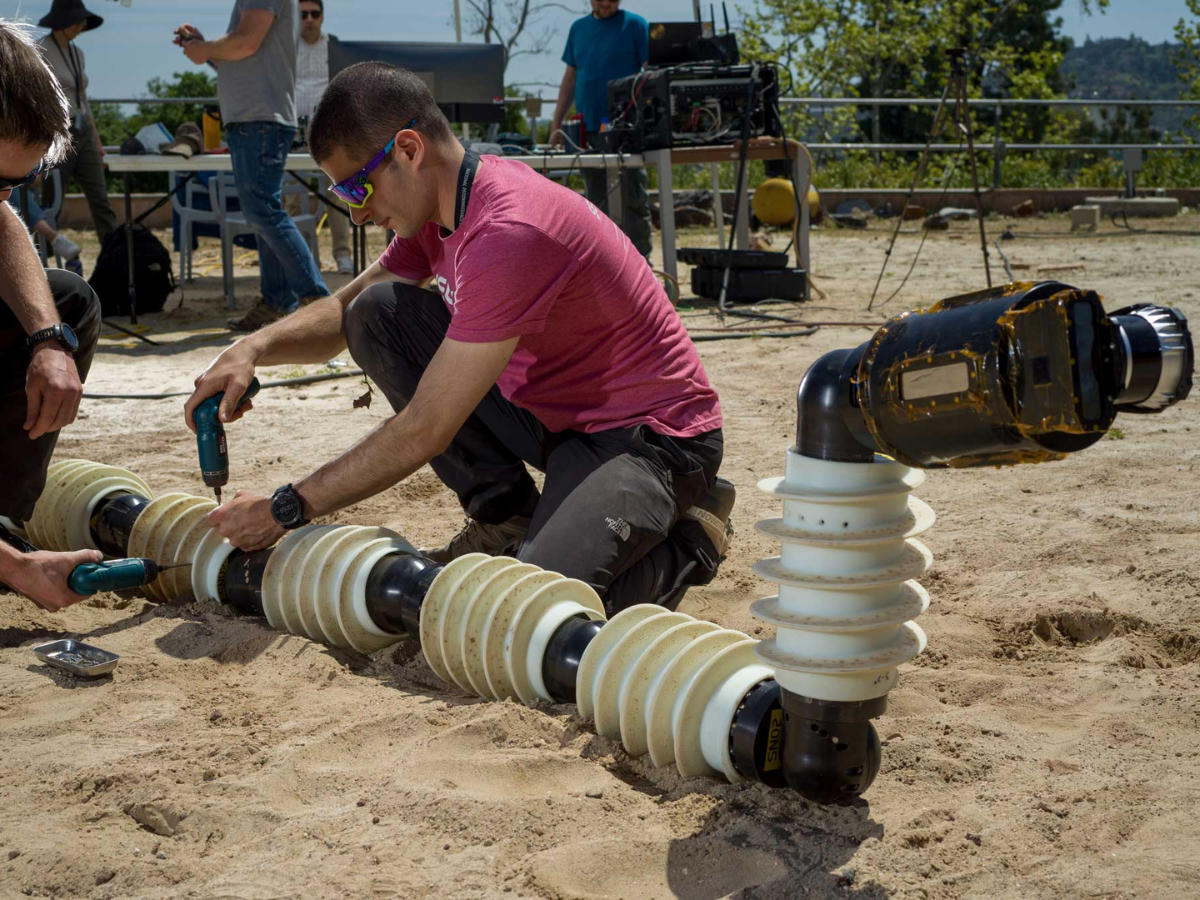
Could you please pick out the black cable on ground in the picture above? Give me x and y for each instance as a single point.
(283, 382)
(1007, 265)
(812, 329)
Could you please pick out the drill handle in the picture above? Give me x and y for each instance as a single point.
(111, 575)
(207, 413)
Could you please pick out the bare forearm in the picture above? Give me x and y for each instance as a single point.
(388, 455)
(315, 333)
(23, 285)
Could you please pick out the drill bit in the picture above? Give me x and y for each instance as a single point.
(217, 491)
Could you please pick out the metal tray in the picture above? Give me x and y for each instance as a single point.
(77, 657)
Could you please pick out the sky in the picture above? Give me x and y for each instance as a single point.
(134, 43)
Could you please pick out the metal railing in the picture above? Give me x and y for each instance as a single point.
(996, 148)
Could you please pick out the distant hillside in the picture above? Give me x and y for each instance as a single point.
(1125, 69)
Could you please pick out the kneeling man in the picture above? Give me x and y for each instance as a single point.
(548, 343)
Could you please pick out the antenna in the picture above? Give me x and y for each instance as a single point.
(725, 12)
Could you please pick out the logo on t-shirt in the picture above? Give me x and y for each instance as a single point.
(447, 292)
(619, 527)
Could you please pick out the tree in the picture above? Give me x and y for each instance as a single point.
(510, 22)
(1187, 56)
(898, 48)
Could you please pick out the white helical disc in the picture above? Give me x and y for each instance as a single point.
(271, 583)
(454, 615)
(290, 587)
(534, 624)
(159, 542)
(310, 565)
(363, 635)
(340, 553)
(146, 532)
(208, 565)
(619, 662)
(597, 651)
(709, 704)
(474, 629)
(499, 623)
(179, 547)
(912, 601)
(645, 675)
(37, 528)
(79, 515)
(434, 607)
(666, 697)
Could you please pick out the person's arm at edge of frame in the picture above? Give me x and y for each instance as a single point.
(52, 386)
(236, 45)
(314, 333)
(566, 94)
(42, 576)
(456, 380)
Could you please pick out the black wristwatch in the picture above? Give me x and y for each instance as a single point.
(287, 509)
(62, 333)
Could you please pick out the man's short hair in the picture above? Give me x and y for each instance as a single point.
(33, 108)
(320, 4)
(364, 107)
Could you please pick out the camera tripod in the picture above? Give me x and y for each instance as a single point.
(954, 97)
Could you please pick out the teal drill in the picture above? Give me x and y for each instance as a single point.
(115, 575)
(210, 439)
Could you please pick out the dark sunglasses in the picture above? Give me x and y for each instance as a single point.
(310, 14)
(5, 184)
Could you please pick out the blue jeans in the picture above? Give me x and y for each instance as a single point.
(287, 271)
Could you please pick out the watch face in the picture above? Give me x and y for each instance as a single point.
(69, 340)
(285, 508)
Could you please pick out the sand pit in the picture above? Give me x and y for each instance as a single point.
(1044, 746)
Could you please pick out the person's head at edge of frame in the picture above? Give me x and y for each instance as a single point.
(35, 120)
(366, 107)
(605, 9)
(68, 19)
(312, 16)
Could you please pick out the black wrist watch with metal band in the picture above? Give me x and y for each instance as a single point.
(287, 508)
(63, 333)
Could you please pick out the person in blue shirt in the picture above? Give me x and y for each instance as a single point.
(610, 43)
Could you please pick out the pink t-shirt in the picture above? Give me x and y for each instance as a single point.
(601, 346)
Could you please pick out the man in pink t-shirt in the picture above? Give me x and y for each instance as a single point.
(543, 341)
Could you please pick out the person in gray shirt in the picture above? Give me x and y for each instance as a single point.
(256, 84)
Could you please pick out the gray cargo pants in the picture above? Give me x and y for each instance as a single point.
(610, 513)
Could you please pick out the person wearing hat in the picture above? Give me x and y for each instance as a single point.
(66, 20)
(49, 325)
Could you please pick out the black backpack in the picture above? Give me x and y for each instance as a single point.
(152, 273)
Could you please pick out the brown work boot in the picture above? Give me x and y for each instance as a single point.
(712, 511)
(258, 317)
(476, 537)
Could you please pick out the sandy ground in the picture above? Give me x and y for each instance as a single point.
(1044, 746)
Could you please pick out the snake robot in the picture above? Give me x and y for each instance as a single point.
(1026, 373)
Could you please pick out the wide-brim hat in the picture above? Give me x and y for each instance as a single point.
(65, 13)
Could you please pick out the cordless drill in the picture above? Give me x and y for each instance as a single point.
(210, 439)
(115, 575)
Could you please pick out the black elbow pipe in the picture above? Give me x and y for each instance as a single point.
(831, 751)
(113, 519)
(560, 665)
(396, 588)
(828, 424)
